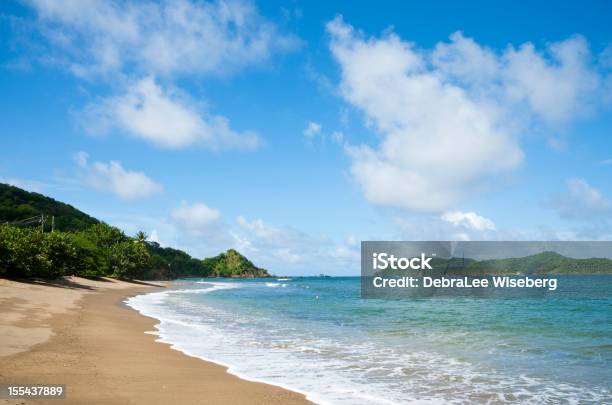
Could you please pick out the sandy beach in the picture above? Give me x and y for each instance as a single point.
(79, 333)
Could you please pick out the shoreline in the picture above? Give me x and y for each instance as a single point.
(99, 347)
(229, 369)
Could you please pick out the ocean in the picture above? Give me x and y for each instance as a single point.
(317, 336)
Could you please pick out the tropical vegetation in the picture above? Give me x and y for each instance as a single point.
(45, 238)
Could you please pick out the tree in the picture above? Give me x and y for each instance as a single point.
(130, 259)
(103, 250)
(89, 261)
(107, 238)
(10, 252)
(60, 255)
(29, 253)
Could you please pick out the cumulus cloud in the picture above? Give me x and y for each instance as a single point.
(136, 45)
(195, 217)
(285, 244)
(194, 227)
(287, 255)
(459, 225)
(166, 118)
(286, 249)
(558, 88)
(450, 117)
(555, 85)
(312, 129)
(581, 201)
(315, 130)
(164, 38)
(260, 229)
(114, 178)
(468, 220)
(153, 236)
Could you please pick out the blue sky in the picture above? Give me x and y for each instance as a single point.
(293, 130)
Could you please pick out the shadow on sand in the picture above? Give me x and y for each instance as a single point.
(59, 283)
(66, 282)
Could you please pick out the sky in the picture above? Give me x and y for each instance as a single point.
(292, 131)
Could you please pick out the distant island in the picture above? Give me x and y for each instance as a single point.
(545, 263)
(46, 238)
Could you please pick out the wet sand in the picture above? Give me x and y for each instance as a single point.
(82, 335)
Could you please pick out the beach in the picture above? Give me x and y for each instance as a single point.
(79, 333)
(211, 338)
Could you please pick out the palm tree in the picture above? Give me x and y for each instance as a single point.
(141, 237)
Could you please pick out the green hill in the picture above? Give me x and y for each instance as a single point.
(168, 263)
(232, 264)
(17, 205)
(540, 264)
(83, 245)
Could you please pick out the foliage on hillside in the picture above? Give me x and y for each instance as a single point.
(100, 250)
(17, 204)
(81, 245)
(168, 263)
(103, 250)
(232, 264)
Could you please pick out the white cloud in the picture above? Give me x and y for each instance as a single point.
(581, 201)
(164, 117)
(260, 229)
(451, 117)
(436, 139)
(287, 250)
(555, 85)
(287, 255)
(346, 252)
(195, 217)
(112, 177)
(195, 228)
(458, 225)
(135, 44)
(469, 220)
(462, 58)
(312, 129)
(352, 241)
(153, 236)
(605, 57)
(164, 38)
(556, 89)
(315, 130)
(284, 242)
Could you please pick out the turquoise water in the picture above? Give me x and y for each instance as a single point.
(318, 337)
